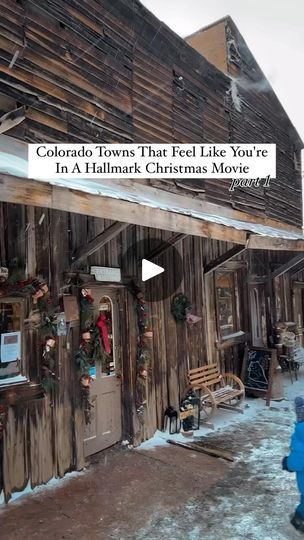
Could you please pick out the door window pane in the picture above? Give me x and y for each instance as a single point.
(106, 326)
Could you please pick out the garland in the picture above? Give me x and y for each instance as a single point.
(48, 333)
(83, 362)
(86, 310)
(143, 357)
(94, 347)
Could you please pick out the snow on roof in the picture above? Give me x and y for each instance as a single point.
(13, 161)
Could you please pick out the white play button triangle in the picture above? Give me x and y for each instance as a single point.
(149, 270)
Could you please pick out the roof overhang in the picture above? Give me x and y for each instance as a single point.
(135, 203)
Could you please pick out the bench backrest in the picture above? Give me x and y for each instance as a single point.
(205, 375)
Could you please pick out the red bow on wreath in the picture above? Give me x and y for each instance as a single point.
(102, 325)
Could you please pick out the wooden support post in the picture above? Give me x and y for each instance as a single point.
(166, 245)
(288, 266)
(213, 265)
(257, 241)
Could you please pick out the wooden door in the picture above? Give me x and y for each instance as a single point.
(104, 429)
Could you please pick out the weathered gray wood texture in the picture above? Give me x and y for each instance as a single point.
(112, 72)
(43, 439)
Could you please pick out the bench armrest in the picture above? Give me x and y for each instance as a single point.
(235, 378)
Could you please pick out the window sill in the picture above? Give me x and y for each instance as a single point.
(12, 380)
(19, 392)
(233, 339)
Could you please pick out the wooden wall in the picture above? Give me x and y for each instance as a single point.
(111, 72)
(45, 439)
(211, 44)
(283, 199)
(255, 116)
(99, 72)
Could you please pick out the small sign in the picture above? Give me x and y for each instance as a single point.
(10, 347)
(105, 273)
(258, 370)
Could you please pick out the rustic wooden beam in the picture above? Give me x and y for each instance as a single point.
(31, 192)
(98, 242)
(166, 245)
(280, 244)
(297, 269)
(213, 265)
(298, 284)
(137, 187)
(288, 266)
(214, 452)
(37, 193)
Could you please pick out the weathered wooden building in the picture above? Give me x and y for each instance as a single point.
(101, 72)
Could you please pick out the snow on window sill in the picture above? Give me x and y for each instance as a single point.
(13, 380)
(233, 339)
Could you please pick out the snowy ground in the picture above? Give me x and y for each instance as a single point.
(143, 495)
(256, 499)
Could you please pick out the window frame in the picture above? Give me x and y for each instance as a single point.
(231, 278)
(24, 367)
(240, 333)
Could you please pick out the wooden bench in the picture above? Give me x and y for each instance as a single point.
(216, 390)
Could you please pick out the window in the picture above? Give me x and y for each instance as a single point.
(104, 349)
(11, 341)
(229, 286)
(225, 303)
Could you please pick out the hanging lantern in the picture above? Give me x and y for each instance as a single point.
(171, 418)
(190, 412)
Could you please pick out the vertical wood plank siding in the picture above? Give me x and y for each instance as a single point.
(101, 71)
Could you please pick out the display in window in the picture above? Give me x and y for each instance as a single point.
(225, 300)
(105, 325)
(10, 341)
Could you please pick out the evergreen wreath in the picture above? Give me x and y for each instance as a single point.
(180, 306)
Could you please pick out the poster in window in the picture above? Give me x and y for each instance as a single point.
(10, 347)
